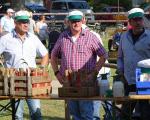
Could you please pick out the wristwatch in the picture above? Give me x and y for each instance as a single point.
(56, 72)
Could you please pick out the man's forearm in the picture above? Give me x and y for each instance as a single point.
(1, 29)
(54, 63)
(45, 60)
(100, 63)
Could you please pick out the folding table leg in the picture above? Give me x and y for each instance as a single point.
(14, 109)
(113, 110)
(6, 107)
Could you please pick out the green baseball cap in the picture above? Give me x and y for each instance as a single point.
(22, 16)
(75, 15)
(136, 12)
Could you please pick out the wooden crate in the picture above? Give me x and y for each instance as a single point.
(77, 92)
(79, 78)
(28, 85)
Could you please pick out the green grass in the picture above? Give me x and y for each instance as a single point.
(54, 109)
(51, 110)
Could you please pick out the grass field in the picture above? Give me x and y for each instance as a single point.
(53, 109)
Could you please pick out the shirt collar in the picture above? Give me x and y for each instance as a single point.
(81, 34)
(15, 34)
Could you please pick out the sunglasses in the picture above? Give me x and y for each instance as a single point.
(137, 19)
(24, 21)
(75, 21)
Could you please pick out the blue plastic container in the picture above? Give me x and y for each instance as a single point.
(142, 87)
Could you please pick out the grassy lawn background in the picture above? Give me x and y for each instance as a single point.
(54, 109)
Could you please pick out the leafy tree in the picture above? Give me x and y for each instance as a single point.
(17, 4)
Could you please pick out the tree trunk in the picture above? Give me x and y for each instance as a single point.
(17, 4)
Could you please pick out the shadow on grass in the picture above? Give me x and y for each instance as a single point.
(52, 118)
(26, 116)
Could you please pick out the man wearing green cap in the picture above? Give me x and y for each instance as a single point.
(20, 49)
(134, 47)
(79, 49)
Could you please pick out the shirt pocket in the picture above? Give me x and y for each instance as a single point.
(82, 49)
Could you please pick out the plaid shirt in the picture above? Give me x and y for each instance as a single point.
(79, 55)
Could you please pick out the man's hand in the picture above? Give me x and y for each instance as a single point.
(60, 78)
(121, 76)
(92, 76)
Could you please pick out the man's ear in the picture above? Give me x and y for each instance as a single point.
(83, 20)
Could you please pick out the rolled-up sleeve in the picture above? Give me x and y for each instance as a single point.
(98, 47)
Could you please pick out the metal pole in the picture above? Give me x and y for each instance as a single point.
(118, 10)
(118, 6)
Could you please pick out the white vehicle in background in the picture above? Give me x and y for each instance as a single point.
(64, 6)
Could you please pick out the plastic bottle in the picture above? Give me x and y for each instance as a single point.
(104, 84)
(98, 83)
(118, 88)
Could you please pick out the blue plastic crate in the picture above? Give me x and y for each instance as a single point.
(143, 84)
(143, 91)
(142, 87)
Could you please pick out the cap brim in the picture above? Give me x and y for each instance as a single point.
(22, 18)
(11, 11)
(75, 18)
(134, 15)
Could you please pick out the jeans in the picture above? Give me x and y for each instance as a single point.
(96, 113)
(128, 106)
(34, 109)
(81, 110)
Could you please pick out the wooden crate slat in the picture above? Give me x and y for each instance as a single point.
(1, 92)
(20, 78)
(2, 83)
(37, 79)
(34, 91)
(41, 91)
(36, 85)
(20, 84)
(21, 93)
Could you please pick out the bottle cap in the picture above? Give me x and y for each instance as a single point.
(104, 76)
